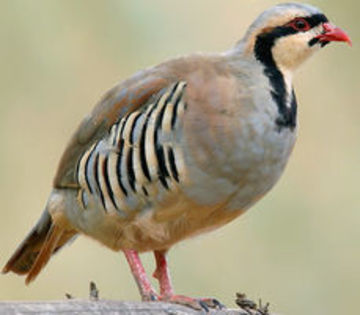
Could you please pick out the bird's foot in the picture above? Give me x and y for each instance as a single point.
(204, 304)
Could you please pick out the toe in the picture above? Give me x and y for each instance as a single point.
(212, 303)
(204, 304)
(217, 304)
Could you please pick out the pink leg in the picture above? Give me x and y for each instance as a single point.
(162, 274)
(146, 290)
(166, 291)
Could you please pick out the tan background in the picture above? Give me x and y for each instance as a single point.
(298, 248)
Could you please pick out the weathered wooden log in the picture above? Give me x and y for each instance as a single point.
(108, 307)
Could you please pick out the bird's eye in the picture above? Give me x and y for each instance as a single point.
(300, 25)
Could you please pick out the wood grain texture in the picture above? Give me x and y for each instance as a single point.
(77, 306)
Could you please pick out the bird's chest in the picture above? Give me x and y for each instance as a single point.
(243, 156)
(260, 164)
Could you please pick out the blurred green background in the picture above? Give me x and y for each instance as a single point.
(298, 248)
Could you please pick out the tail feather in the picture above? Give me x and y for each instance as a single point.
(26, 253)
(46, 238)
(50, 244)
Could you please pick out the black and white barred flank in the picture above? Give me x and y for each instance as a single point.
(139, 157)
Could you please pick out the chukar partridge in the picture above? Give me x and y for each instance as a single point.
(180, 149)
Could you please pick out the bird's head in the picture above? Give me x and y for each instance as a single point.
(287, 34)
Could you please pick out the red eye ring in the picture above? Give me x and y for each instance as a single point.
(300, 25)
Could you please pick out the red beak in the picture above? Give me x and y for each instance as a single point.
(333, 33)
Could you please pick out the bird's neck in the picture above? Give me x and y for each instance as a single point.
(283, 95)
(280, 80)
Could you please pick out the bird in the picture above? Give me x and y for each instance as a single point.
(180, 149)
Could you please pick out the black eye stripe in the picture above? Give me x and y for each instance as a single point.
(269, 38)
(313, 20)
(316, 19)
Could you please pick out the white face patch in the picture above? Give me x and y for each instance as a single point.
(289, 52)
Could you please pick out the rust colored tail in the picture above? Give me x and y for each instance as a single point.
(46, 238)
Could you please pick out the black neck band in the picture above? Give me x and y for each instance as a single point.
(263, 52)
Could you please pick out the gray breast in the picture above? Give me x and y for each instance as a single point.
(240, 154)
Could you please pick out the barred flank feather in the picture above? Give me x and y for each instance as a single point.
(139, 155)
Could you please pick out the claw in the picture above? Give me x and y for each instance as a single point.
(218, 304)
(204, 306)
(212, 303)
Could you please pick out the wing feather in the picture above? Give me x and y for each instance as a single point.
(126, 97)
(122, 99)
